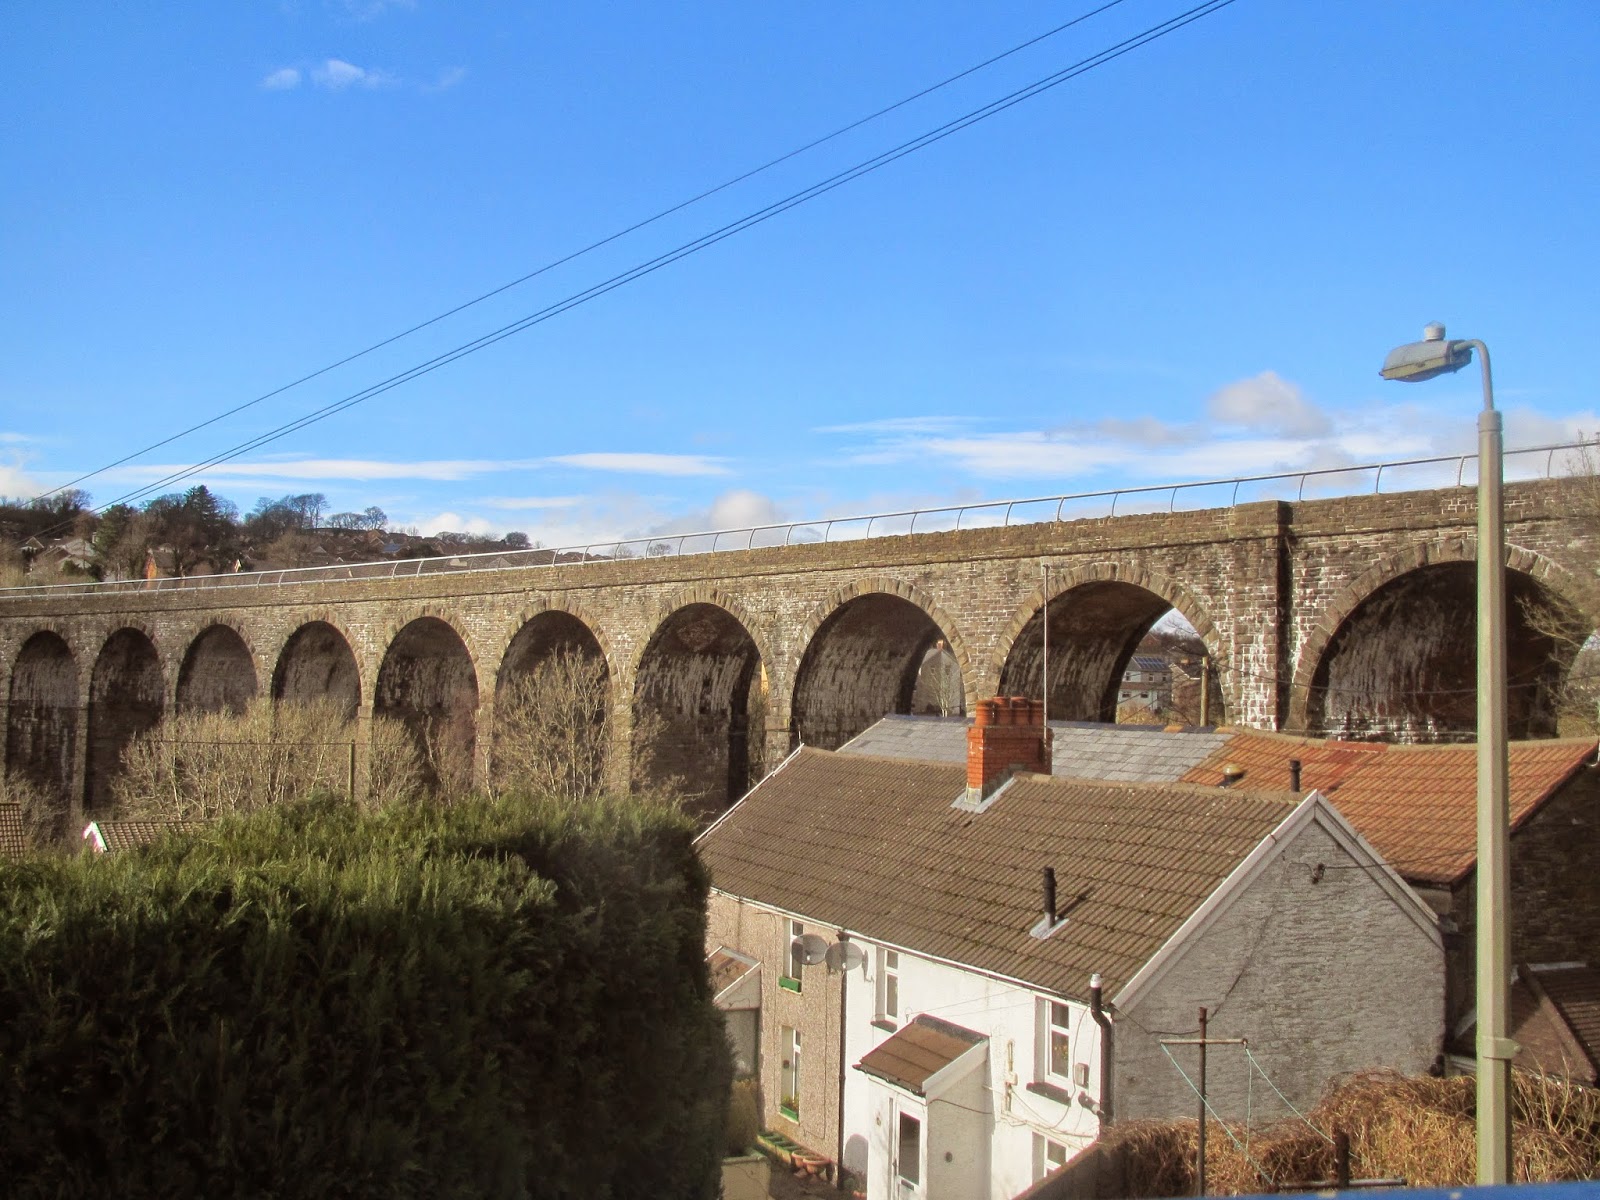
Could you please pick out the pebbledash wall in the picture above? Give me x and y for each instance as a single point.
(1353, 612)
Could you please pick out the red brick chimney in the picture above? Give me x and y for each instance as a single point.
(1007, 735)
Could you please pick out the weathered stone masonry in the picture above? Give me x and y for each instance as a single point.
(1313, 613)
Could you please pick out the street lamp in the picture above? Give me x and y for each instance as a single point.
(1435, 355)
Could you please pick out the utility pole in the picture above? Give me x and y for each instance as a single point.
(1202, 1042)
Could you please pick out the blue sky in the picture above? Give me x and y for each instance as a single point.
(1188, 263)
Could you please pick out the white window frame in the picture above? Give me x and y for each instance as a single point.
(1048, 1030)
(888, 986)
(796, 961)
(789, 1068)
(1043, 1162)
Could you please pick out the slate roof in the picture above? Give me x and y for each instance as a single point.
(1575, 992)
(1555, 1021)
(1082, 750)
(873, 845)
(111, 836)
(13, 832)
(1150, 664)
(918, 1051)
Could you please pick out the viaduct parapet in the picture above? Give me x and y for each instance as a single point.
(1353, 613)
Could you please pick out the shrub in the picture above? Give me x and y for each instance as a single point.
(744, 1117)
(491, 999)
(197, 766)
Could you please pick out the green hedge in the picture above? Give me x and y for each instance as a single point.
(495, 999)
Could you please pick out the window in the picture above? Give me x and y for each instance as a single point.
(789, 1080)
(1058, 1049)
(797, 960)
(888, 986)
(1047, 1156)
(909, 1153)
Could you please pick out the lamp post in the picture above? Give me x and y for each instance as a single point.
(1413, 363)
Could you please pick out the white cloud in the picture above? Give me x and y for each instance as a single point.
(17, 483)
(282, 80)
(335, 75)
(740, 509)
(645, 464)
(1269, 403)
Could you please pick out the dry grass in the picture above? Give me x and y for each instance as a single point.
(1417, 1129)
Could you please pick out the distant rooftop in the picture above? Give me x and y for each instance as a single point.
(1082, 749)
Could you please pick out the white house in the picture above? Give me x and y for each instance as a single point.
(926, 935)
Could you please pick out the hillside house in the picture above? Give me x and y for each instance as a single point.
(1146, 683)
(927, 1008)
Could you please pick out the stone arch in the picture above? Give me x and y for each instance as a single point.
(544, 629)
(551, 724)
(317, 663)
(429, 683)
(1394, 653)
(699, 714)
(218, 672)
(42, 716)
(127, 691)
(1098, 616)
(865, 648)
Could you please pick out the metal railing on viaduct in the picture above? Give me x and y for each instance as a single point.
(720, 650)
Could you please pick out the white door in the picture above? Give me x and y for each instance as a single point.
(909, 1169)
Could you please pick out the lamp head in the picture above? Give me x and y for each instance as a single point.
(1434, 355)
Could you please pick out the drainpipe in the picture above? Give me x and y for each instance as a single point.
(844, 1060)
(1107, 1082)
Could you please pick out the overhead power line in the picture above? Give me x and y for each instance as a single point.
(758, 217)
(593, 246)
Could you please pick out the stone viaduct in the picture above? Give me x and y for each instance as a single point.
(1353, 612)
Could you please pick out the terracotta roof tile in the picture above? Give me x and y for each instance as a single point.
(1417, 805)
(874, 846)
(1324, 765)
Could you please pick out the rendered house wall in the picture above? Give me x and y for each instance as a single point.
(1323, 972)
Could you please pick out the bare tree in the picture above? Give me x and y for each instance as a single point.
(553, 728)
(198, 766)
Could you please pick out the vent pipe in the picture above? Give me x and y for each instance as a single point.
(1294, 774)
(1049, 896)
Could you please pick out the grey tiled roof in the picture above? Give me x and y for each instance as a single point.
(1083, 750)
(876, 846)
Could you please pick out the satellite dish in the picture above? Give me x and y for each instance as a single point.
(845, 956)
(813, 949)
